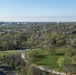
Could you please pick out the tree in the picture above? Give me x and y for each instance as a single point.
(60, 40)
(13, 62)
(60, 62)
(49, 49)
(74, 63)
(74, 59)
(32, 70)
(16, 44)
(65, 63)
(70, 51)
(5, 45)
(32, 54)
(4, 58)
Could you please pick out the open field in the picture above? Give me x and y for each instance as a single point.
(49, 61)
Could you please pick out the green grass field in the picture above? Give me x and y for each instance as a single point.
(49, 61)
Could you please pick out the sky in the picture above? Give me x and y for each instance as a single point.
(38, 10)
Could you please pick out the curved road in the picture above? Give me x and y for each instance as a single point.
(8, 69)
(40, 67)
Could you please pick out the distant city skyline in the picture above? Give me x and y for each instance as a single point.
(38, 10)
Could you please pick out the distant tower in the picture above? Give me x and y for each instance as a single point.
(57, 21)
(58, 26)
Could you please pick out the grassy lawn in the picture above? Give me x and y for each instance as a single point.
(49, 61)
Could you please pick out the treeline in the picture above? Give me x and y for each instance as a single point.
(38, 36)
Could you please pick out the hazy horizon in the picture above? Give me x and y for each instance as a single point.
(38, 10)
(41, 19)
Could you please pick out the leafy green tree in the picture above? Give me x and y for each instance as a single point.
(70, 51)
(74, 59)
(60, 62)
(5, 45)
(65, 63)
(49, 49)
(32, 70)
(32, 54)
(16, 44)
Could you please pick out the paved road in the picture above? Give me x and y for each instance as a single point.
(40, 67)
(8, 68)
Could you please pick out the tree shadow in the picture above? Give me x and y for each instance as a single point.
(41, 56)
(59, 54)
